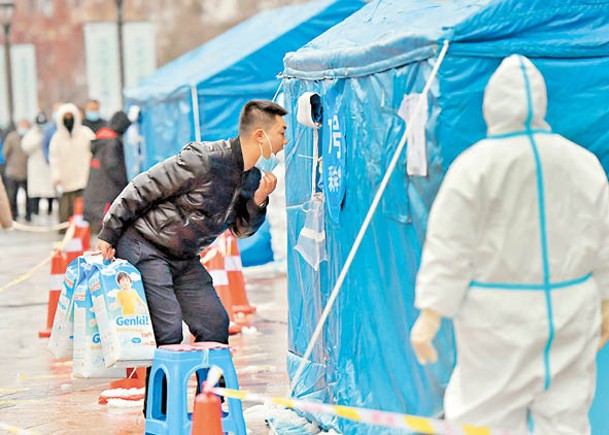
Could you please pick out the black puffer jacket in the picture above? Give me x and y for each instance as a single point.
(107, 174)
(183, 203)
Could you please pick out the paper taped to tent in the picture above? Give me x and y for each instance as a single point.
(199, 95)
(370, 71)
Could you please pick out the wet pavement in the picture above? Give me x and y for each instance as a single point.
(38, 393)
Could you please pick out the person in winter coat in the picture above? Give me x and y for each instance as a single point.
(39, 182)
(6, 217)
(108, 174)
(69, 155)
(93, 118)
(16, 169)
(167, 215)
(517, 254)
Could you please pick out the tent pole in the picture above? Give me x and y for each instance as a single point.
(195, 112)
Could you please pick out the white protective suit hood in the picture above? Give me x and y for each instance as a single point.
(506, 107)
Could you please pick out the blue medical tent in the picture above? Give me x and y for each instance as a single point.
(363, 68)
(199, 95)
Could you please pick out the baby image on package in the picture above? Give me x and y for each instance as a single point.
(122, 314)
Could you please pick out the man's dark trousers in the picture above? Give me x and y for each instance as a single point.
(175, 290)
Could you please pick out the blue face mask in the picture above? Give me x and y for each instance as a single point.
(22, 131)
(92, 116)
(267, 165)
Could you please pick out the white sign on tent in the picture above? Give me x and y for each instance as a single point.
(25, 86)
(101, 45)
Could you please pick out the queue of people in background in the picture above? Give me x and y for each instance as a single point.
(51, 160)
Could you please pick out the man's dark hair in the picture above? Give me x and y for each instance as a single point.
(259, 113)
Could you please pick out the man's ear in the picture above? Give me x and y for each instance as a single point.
(258, 135)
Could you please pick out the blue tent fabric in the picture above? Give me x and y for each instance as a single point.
(370, 60)
(239, 65)
(257, 249)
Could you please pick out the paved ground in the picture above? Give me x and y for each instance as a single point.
(38, 393)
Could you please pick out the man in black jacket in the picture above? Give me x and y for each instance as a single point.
(168, 214)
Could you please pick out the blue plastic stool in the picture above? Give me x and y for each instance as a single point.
(177, 363)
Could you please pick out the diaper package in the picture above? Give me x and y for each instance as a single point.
(88, 358)
(61, 340)
(119, 303)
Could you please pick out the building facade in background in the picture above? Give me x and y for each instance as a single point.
(55, 32)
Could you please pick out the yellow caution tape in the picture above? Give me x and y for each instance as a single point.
(27, 275)
(57, 376)
(415, 423)
(6, 391)
(15, 401)
(61, 246)
(15, 430)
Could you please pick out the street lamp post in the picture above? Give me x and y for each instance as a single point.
(6, 14)
(121, 63)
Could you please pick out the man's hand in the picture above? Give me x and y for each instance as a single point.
(106, 249)
(268, 182)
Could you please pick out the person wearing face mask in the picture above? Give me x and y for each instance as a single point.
(39, 182)
(69, 156)
(92, 118)
(167, 215)
(16, 169)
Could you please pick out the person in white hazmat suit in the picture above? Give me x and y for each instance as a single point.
(517, 254)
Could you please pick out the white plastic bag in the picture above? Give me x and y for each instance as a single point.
(311, 242)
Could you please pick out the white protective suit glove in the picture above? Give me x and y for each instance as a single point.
(604, 324)
(421, 335)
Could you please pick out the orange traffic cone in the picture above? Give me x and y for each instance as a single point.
(207, 415)
(59, 264)
(213, 261)
(81, 240)
(136, 378)
(234, 269)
